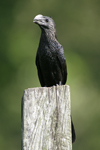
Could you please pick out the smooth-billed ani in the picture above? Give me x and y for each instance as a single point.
(50, 59)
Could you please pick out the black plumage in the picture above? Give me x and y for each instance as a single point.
(50, 60)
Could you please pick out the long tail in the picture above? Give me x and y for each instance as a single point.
(73, 132)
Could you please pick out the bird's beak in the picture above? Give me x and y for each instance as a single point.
(38, 19)
(34, 20)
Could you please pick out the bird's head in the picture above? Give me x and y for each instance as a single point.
(45, 22)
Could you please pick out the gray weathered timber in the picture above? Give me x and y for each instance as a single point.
(46, 118)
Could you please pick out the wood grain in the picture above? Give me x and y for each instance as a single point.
(46, 121)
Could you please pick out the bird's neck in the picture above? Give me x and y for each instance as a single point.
(48, 36)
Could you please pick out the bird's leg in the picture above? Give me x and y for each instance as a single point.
(59, 83)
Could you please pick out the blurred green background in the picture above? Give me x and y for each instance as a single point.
(78, 30)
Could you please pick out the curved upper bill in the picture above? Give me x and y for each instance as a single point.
(37, 18)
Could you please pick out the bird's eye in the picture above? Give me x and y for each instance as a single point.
(47, 20)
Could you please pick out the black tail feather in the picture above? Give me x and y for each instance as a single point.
(73, 132)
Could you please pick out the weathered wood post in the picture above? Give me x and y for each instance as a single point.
(46, 118)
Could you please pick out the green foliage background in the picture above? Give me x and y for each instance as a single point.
(78, 30)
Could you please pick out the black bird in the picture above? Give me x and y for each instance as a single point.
(50, 60)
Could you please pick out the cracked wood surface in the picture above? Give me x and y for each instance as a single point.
(46, 118)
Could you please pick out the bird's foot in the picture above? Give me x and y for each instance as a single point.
(59, 83)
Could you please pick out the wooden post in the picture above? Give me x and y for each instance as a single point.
(46, 118)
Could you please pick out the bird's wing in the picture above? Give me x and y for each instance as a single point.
(39, 72)
(62, 64)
